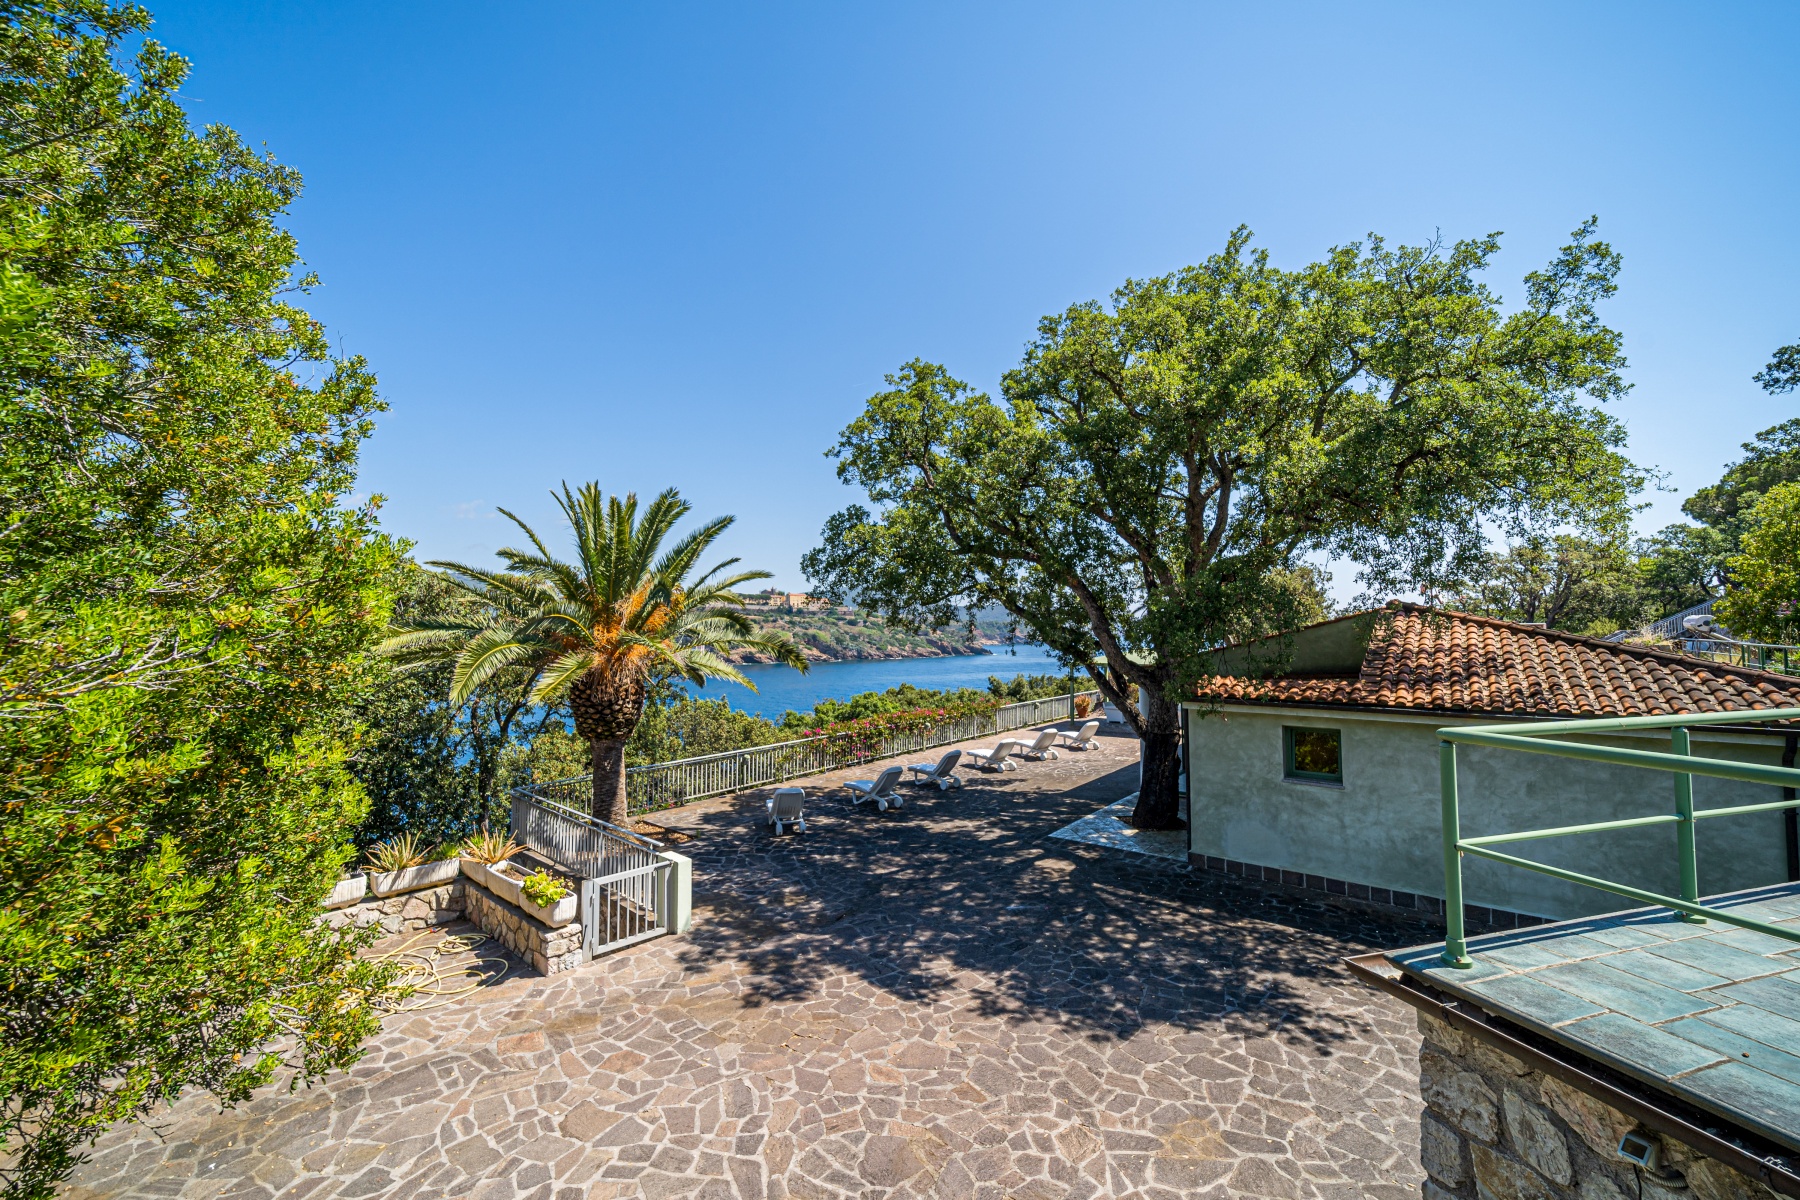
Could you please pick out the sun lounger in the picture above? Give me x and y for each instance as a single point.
(880, 789)
(995, 757)
(942, 772)
(785, 808)
(1043, 747)
(1081, 739)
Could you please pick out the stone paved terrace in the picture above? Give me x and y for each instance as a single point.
(936, 1002)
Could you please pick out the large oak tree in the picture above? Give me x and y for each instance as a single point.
(1156, 469)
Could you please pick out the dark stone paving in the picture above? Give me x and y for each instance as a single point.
(939, 1001)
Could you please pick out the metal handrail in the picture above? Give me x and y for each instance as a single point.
(1737, 652)
(667, 784)
(1543, 739)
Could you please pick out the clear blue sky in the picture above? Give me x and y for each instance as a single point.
(679, 244)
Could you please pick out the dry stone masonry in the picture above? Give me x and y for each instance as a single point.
(549, 951)
(1494, 1129)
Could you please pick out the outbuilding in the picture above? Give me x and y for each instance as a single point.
(1313, 762)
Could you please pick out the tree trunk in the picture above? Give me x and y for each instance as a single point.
(1159, 796)
(607, 757)
(606, 709)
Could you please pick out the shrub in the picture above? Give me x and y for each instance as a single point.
(543, 889)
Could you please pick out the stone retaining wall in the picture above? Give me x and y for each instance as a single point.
(408, 912)
(1494, 1129)
(549, 951)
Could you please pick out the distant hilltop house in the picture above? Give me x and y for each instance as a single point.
(792, 601)
(1323, 773)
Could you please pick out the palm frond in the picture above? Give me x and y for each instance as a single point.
(487, 654)
(560, 673)
(529, 531)
(680, 558)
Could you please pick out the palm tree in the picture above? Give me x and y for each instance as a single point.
(596, 630)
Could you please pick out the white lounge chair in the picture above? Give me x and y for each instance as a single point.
(942, 772)
(995, 757)
(786, 806)
(1043, 747)
(1081, 739)
(880, 789)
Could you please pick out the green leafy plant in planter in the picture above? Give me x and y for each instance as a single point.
(543, 889)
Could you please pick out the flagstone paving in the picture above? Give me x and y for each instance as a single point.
(940, 1001)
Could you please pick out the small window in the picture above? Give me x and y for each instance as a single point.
(1312, 754)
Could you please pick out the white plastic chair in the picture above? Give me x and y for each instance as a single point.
(786, 806)
(880, 789)
(1044, 747)
(942, 772)
(995, 757)
(1081, 739)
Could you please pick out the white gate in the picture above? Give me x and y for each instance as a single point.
(627, 907)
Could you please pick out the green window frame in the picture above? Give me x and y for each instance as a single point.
(1312, 755)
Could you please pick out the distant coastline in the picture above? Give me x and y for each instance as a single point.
(836, 635)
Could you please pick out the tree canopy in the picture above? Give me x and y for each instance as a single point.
(1764, 601)
(1156, 469)
(187, 604)
(597, 631)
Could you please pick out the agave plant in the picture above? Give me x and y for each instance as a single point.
(489, 848)
(595, 631)
(397, 854)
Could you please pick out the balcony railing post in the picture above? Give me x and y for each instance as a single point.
(1684, 829)
(1456, 945)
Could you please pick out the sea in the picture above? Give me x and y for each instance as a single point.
(779, 689)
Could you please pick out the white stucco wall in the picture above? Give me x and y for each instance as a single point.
(1382, 826)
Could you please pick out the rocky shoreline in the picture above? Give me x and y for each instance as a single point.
(938, 649)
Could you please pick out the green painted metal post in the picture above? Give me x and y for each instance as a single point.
(1684, 828)
(1456, 945)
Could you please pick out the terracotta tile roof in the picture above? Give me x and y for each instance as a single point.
(1433, 660)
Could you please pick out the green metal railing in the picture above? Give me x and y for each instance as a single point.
(1764, 656)
(1542, 739)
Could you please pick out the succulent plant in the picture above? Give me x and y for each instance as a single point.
(543, 888)
(397, 854)
(489, 848)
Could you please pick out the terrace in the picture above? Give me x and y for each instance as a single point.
(945, 1000)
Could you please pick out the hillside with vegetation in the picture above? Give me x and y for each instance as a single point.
(847, 635)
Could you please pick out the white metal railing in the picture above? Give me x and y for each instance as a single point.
(665, 785)
(573, 839)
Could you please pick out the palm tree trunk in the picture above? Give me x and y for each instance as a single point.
(608, 764)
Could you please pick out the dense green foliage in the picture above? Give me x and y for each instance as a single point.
(1160, 468)
(433, 767)
(1593, 585)
(1764, 601)
(596, 632)
(186, 605)
(845, 635)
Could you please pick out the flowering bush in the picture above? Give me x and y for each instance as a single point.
(867, 737)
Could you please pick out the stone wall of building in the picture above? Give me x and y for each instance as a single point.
(408, 912)
(549, 951)
(1494, 1129)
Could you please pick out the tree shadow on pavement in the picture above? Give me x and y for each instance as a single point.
(963, 897)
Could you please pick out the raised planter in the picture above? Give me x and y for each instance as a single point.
(554, 915)
(411, 879)
(492, 877)
(348, 891)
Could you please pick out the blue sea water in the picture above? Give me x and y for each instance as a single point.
(782, 688)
